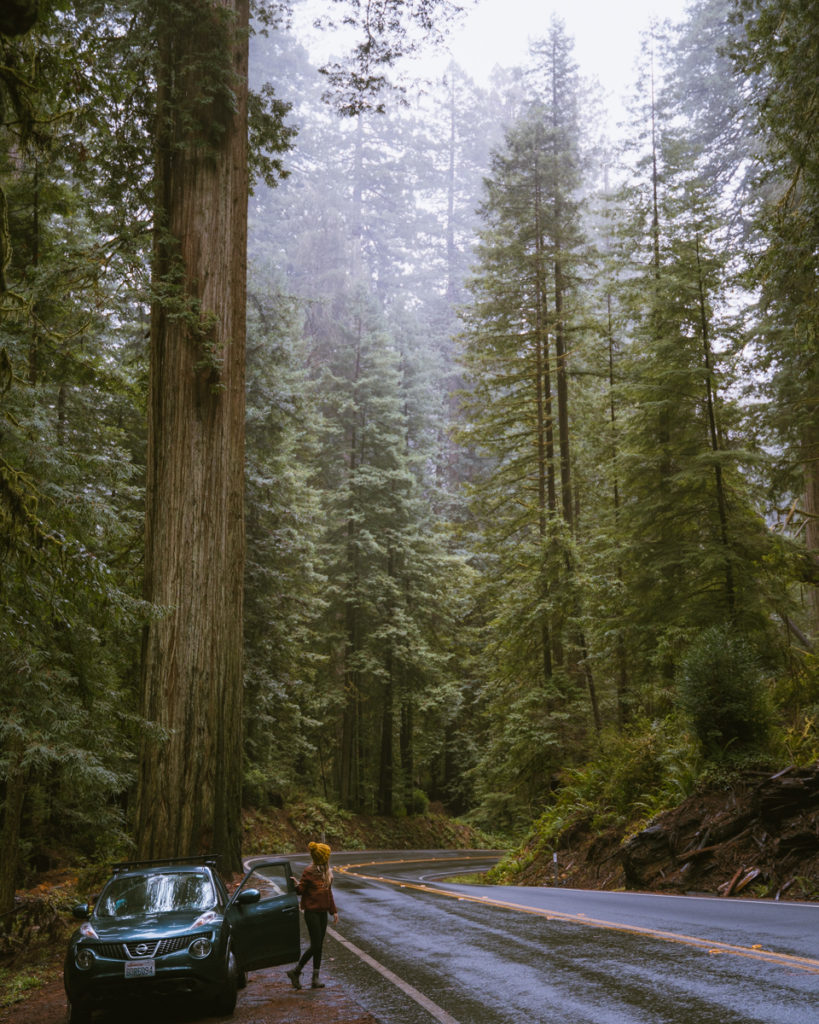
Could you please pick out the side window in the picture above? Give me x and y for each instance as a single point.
(270, 879)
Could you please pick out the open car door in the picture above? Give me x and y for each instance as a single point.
(264, 917)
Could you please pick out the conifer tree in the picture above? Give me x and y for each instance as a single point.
(194, 566)
(519, 330)
(776, 53)
(697, 546)
(387, 620)
(70, 431)
(284, 712)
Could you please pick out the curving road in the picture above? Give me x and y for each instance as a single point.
(413, 948)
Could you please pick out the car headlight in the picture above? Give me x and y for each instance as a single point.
(84, 958)
(201, 947)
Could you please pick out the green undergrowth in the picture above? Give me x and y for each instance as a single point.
(33, 938)
(631, 780)
(17, 984)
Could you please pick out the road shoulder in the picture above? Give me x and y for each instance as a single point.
(268, 999)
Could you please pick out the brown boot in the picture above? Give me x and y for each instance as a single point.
(316, 983)
(293, 975)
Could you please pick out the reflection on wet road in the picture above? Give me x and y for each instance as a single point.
(501, 955)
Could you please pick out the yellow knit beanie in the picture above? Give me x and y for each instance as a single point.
(320, 852)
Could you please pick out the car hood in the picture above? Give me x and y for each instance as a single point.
(152, 926)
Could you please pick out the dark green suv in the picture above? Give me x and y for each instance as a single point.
(169, 928)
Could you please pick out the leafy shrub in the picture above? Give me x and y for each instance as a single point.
(633, 777)
(37, 921)
(801, 738)
(499, 814)
(420, 802)
(723, 693)
(314, 818)
(796, 694)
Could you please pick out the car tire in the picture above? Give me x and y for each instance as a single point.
(78, 1014)
(226, 999)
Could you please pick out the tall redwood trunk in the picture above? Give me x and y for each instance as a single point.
(190, 770)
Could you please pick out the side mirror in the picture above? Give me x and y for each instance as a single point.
(248, 896)
(82, 911)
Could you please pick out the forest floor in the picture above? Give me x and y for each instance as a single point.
(268, 999)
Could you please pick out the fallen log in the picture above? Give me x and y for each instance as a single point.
(716, 846)
(728, 887)
(745, 881)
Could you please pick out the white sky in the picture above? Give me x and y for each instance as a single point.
(606, 34)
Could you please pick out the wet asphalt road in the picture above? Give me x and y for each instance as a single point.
(563, 956)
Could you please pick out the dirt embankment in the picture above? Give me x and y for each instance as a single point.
(758, 837)
(292, 828)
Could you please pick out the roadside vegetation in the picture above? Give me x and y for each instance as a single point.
(689, 767)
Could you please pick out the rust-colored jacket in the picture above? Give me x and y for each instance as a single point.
(315, 893)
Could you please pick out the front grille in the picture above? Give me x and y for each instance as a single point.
(141, 950)
(173, 945)
(110, 950)
(153, 948)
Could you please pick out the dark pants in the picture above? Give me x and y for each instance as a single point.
(316, 921)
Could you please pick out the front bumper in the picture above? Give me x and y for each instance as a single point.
(176, 975)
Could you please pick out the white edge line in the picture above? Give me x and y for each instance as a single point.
(406, 988)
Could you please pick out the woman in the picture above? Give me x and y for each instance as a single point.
(316, 891)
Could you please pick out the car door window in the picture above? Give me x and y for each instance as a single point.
(270, 879)
(265, 932)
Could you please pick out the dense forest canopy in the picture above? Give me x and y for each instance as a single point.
(491, 449)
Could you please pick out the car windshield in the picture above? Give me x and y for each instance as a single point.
(156, 893)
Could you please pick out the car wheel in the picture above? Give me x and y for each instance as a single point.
(242, 982)
(78, 1015)
(226, 999)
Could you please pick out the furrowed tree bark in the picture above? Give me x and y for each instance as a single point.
(190, 770)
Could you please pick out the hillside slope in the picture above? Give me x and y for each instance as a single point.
(758, 836)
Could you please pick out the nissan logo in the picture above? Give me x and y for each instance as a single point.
(141, 949)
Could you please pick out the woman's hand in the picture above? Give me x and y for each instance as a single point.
(335, 918)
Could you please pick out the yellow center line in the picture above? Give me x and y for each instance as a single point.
(751, 952)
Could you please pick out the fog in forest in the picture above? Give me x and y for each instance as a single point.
(555, 280)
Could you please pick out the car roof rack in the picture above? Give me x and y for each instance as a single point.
(206, 860)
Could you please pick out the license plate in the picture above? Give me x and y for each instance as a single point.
(140, 969)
